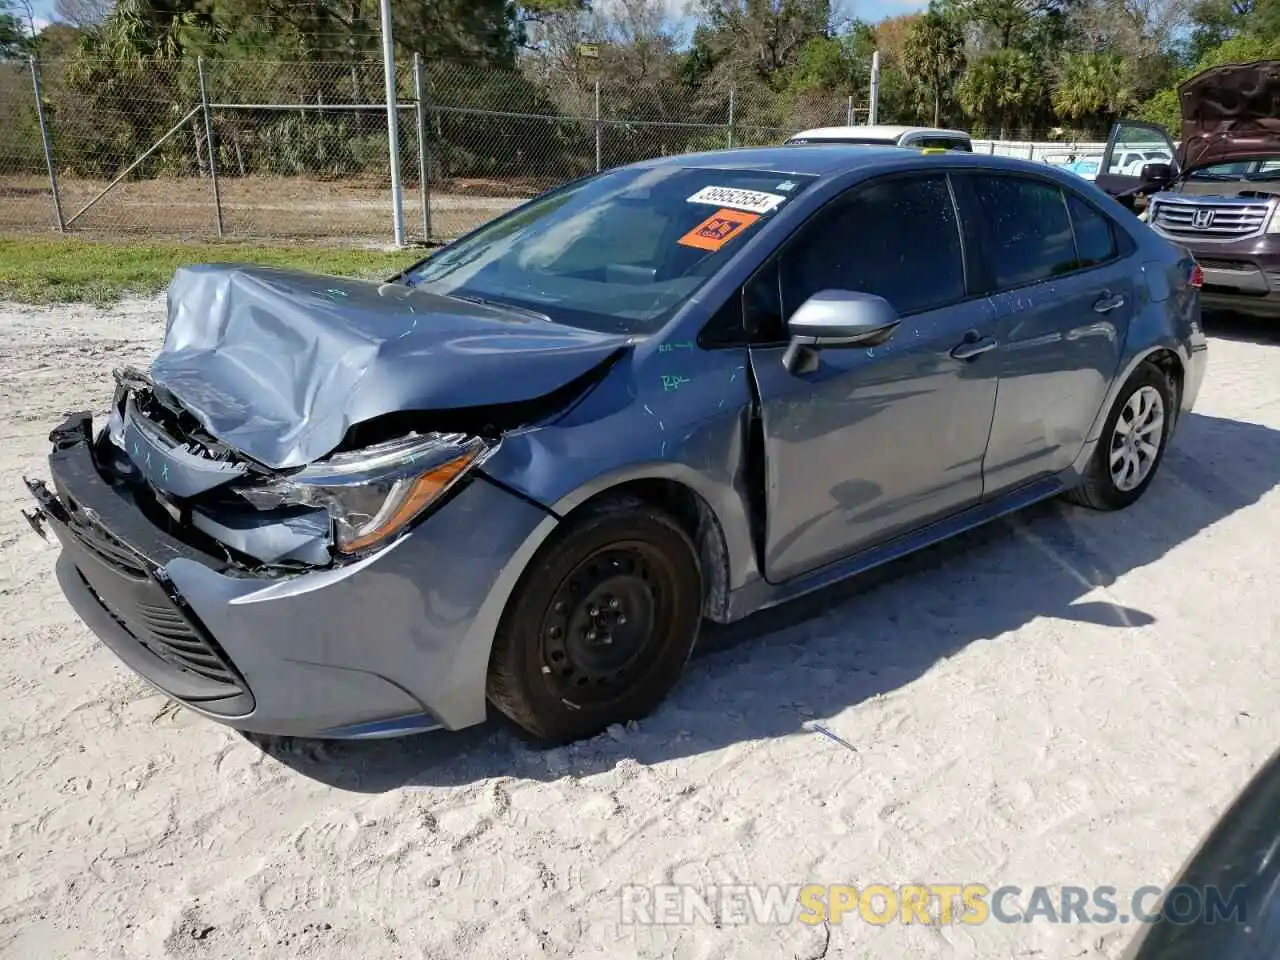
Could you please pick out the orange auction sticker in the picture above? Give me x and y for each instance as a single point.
(718, 229)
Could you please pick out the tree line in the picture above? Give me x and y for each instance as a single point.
(717, 72)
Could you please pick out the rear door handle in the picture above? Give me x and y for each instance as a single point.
(1106, 303)
(973, 346)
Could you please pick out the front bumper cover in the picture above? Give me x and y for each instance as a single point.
(395, 643)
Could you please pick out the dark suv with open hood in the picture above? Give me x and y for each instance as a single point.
(1219, 196)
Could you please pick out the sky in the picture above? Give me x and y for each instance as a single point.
(44, 12)
(873, 10)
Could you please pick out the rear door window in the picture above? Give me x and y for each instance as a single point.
(1028, 229)
(1095, 235)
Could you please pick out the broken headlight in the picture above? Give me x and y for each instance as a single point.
(375, 493)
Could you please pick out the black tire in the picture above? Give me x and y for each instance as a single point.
(623, 554)
(1099, 490)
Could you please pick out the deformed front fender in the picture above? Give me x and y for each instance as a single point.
(695, 436)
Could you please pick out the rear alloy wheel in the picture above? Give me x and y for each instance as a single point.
(1132, 443)
(601, 625)
(1135, 441)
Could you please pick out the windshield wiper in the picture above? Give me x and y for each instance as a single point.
(501, 305)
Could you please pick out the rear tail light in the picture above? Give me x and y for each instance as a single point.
(1197, 276)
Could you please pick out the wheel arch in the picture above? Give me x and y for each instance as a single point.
(686, 504)
(1164, 356)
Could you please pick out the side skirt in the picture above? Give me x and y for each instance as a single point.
(760, 595)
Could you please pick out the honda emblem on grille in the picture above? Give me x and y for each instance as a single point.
(1203, 219)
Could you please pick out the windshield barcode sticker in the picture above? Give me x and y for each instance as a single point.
(753, 201)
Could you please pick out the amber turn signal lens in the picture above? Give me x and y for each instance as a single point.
(422, 491)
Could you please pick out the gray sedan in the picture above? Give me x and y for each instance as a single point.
(523, 472)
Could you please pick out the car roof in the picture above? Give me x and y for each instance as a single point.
(882, 132)
(832, 159)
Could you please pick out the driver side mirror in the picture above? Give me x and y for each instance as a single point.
(831, 319)
(1156, 174)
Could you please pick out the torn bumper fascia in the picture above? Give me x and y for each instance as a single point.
(334, 510)
(179, 473)
(395, 642)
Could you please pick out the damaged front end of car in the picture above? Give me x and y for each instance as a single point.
(292, 422)
(299, 469)
(257, 520)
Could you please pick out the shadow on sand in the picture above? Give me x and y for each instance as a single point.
(764, 676)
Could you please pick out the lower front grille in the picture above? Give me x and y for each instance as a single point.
(109, 549)
(1223, 264)
(172, 637)
(127, 590)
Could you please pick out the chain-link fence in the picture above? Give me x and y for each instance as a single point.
(299, 150)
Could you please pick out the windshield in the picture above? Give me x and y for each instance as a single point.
(618, 252)
(1239, 170)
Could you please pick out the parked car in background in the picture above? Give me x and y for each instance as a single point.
(527, 468)
(1129, 163)
(1086, 168)
(918, 137)
(1218, 193)
(1222, 904)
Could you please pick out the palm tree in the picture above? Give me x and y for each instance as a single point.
(1091, 88)
(1000, 87)
(139, 30)
(934, 54)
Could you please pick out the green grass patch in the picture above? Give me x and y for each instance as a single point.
(64, 270)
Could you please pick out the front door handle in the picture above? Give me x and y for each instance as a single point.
(1106, 303)
(973, 346)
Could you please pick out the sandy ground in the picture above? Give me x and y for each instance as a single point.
(1064, 698)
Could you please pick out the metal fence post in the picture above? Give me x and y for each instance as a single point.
(48, 146)
(597, 125)
(424, 170)
(873, 113)
(848, 113)
(731, 118)
(393, 121)
(210, 148)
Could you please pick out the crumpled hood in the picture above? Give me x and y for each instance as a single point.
(279, 364)
(1230, 113)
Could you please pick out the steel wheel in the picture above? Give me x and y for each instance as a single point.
(601, 624)
(1136, 439)
(607, 613)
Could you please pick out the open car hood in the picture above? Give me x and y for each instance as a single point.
(279, 364)
(1230, 113)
